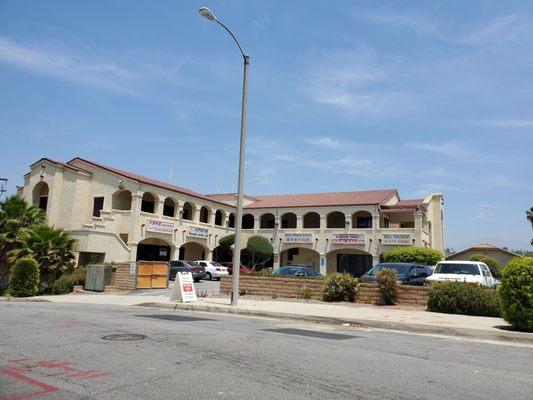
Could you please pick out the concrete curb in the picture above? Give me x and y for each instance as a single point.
(23, 299)
(503, 336)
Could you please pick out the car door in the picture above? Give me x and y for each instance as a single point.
(422, 275)
(487, 276)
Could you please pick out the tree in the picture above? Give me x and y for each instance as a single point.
(24, 278)
(260, 251)
(421, 255)
(493, 265)
(227, 241)
(15, 217)
(50, 247)
(529, 216)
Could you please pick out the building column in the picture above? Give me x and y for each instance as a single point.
(277, 261)
(323, 264)
(323, 224)
(174, 253)
(375, 260)
(133, 252)
(418, 228)
(299, 222)
(158, 208)
(257, 223)
(209, 255)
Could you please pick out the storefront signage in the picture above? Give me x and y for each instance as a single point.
(154, 225)
(183, 289)
(348, 238)
(402, 239)
(195, 231)
(298, 238)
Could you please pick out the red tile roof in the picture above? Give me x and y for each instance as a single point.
(145, 180)
(66, 165)
(404, 206)
(366, 197)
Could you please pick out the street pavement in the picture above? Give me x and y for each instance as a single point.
(64, 351)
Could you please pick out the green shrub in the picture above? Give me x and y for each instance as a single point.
(493, 265)
(63, 285)
(243, 292)
(461, 298)
(227, 241)
(263, 272)
(259, 250)
(303, 293)
(79, 275)
(388, 285)
(24, 278)
(420, 255)
(340, 287)
(517, 293)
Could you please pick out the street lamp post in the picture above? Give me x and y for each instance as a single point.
(207, 14)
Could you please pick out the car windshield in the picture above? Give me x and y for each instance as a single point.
(400, 269)
(287, 271)
(463, 269)
(216, 264)
(192, 264)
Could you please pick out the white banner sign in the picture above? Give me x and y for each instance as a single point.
(298, 238)
(183, 289)
(403, 239)
(195, 231)
(348, 238)
(154, 225)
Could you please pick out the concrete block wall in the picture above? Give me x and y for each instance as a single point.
(288, 288)
(124, 280)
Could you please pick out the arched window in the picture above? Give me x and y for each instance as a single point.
(219, 218)
(311, 220)
(188, 211)
(169, 207)
(362, 220)
(204, 214)
(148, 203)
(248, 221)
(121, 200)
(268, 221)
(231, 221)
(288, 221)
(40, 195)
(336, 219)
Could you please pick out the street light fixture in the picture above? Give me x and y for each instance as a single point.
(207, 14)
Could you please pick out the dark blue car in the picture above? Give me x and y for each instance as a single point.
(408, 273)
(296, 270)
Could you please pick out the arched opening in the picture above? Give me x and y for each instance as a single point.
(362, 220)
(268, 221)
(153, 249)
(219, 218)
(169, 207)
(121, 200)
(188, 211)
(288, 221)
(204, 214)
(300, 256)
(248, 221)
(148, 203)
(192, 251)
(353, 261)
(231, 221)
(311, 220)
(40, 195)
(336, 219)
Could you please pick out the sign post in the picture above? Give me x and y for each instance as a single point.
(183, 289)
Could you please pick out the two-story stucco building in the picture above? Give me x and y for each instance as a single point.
(119, 216)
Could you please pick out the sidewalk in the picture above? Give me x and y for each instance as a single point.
(390, 317)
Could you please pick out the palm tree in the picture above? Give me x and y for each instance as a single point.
(15, 216)
(50, 247)
(529, 215)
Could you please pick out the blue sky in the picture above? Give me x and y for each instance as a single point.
(418, 96)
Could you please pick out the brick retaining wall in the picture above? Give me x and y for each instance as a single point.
(288, 288)
(123, 279)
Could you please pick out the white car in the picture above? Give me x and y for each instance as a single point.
(472, 272)
(213, 270)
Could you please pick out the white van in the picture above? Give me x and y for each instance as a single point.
(472, 272)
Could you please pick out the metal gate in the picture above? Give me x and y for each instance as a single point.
(152, 274)
(355, 264)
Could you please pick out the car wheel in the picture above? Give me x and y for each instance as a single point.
(208, 276)
(196, 280)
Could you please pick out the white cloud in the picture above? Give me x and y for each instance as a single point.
(453, 149)
(503, 29)
(419, 23)
(509, 123)
(325, 141)
(45, 61)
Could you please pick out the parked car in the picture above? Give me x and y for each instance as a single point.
(198, 272)
(408, 273)
(242, 270)
(213, 270)
(296, 270)
(472, 272)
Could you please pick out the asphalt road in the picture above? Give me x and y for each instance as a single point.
(58, 351)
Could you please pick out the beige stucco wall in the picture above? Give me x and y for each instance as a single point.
(71, 200)
(501, 257)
